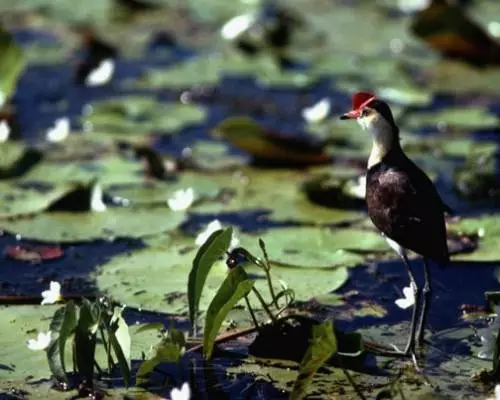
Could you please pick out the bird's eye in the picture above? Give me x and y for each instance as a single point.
(365, 112)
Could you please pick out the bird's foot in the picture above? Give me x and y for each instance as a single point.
(396, 352)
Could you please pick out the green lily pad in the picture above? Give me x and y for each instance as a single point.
(256, 190)
(209, 68)
(318, 266)
(110, 170)
(112, 223)
(12, 64)
(454, 118)
(487, 227)
(136, 115)
(158, 192)
(16, 201)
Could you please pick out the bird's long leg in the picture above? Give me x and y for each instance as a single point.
(410, 345)
(427, 293)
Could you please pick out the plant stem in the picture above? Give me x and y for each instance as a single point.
(264, 305)
(250, 309)
(271, 289)
(351, 380)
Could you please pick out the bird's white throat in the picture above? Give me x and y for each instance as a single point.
(382, 137)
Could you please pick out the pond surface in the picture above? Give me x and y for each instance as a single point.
(151, 131)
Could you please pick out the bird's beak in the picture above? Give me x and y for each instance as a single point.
(351, 114)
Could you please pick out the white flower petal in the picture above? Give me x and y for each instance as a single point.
(53, 295)
(4, 131)
(59, 131)
(408, 300)
(96, 203)
(41, 342)
(411, 6)
(181, 199)
(237, 25)
(102, 74)
(317, 112)
(183, 394)
(202, 237)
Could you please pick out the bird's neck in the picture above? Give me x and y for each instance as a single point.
(383, 141)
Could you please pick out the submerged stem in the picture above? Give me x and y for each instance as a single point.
(250, 309)
(264, 305)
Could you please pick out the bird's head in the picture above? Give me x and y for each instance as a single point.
(374, 116)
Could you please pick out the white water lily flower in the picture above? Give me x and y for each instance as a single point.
(411, 6)
(4, 131)
(41, 342)
(181, 199)
(213, 226)
(59, 131)
(96, 203)
(53, 295)
(237, 25)
(317, 112)
(102, 74)
(408, 300)
(184, 393)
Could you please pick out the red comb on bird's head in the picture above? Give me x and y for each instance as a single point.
(359, 100)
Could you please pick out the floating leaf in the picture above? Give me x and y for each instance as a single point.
(446, 28)
(268, 146)
(487, 227)
(236, 286)
(454, 118)
(138, 115)
(113, 223)
(213, 248)
(33, 254)
(170, 349)
(323, 346)
(29, 198)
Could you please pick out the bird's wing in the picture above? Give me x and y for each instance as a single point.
(412, 212)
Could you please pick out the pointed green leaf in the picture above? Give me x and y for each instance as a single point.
(323, 346)
(62, 325)
(236, 286)
(213, 248)
(119, 338)
(12, 64)
(86, 339)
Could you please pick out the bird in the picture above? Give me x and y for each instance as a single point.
(403, 204)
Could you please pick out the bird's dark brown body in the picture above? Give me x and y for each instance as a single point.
(405, 206)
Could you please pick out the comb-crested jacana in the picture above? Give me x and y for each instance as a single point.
(402, 203)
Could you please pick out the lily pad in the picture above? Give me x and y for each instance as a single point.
(256, 190)
(112, 223)
(487, 227)
(454, 118)
(16, 200)
(318, 265)
(158, 192)
(139, 115)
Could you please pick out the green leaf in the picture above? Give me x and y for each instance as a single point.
(112, 223)
(86, 339)
(323, 346)
(119, 338)
(63, 323)
(210, 251)
(170, 349)
(12, 64)
(236, 286)
(152, 326)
